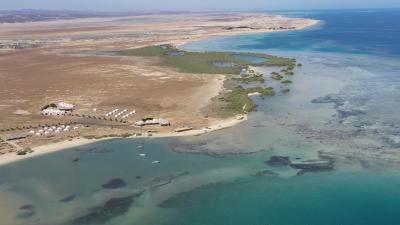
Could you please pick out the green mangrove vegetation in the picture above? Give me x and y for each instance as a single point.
(286, 81)
(289, 73)
(276, 76)
(250, 79)
(203, 62)
(236, 100)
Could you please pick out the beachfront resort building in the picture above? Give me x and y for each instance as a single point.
(161, 122)
(65, 106)
(13, 137)
(57, 109)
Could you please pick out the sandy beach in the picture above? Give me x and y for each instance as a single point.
(54, 147)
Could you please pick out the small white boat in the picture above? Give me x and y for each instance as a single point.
(142, 155)
(140, 146)
(155, 162)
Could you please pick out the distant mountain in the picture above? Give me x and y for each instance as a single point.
(29, 15)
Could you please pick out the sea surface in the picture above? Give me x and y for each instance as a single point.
(344, 103)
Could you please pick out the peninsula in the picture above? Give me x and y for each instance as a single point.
(71, 82)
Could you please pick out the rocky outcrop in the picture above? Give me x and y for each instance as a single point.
(313, 165)
(325, 163)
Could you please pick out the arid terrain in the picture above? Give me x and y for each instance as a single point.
(71, 61)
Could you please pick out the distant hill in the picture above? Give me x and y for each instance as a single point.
(29, 15)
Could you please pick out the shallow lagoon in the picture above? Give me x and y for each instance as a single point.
(329, 199)
(340, 104)
(250, 58)
(224, 64)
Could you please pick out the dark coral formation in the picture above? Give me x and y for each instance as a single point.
(278, 161)
(114, 183)
(68, 198)
(267, 173)
(27, 211)
(111, 209)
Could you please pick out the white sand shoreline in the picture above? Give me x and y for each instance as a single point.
(180, 43)
(67, 144)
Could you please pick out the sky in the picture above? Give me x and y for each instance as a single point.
(194, 5)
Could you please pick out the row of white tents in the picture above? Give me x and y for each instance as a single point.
(54, 112)
(52, 130)
(123, 113)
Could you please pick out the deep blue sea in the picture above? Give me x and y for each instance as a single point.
(344, 102)
(361, 31)
(375, 32)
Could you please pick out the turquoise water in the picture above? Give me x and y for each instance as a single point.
(329, 199)
(224, 64)
(344, 102)
(372, 32)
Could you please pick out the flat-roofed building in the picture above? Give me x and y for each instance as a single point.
(13, 137)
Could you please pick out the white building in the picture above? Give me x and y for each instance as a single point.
(161, 122)
(65, 106)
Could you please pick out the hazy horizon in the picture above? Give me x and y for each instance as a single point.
(194, 6)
